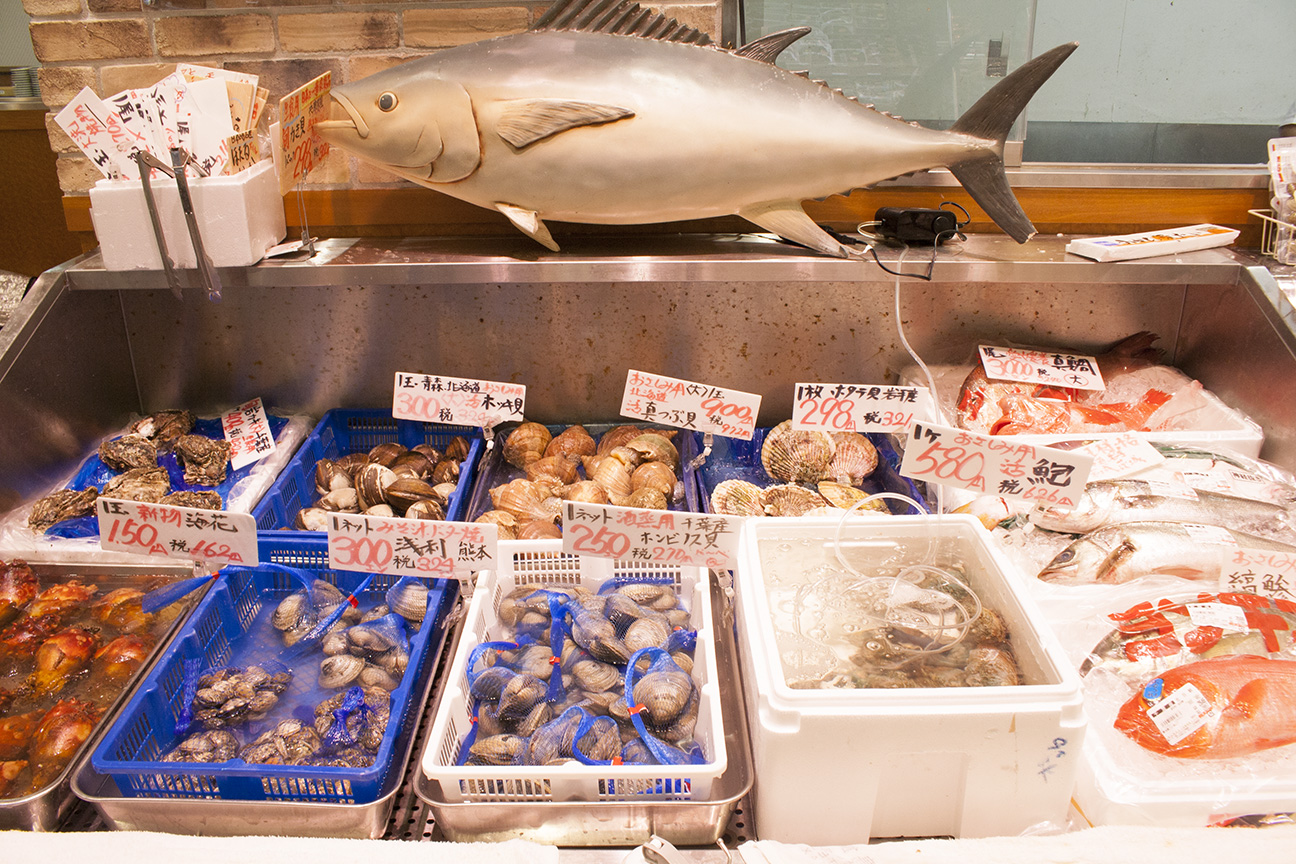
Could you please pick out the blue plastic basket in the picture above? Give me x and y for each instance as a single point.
(338, 433)
(220, 632)
(735, 459)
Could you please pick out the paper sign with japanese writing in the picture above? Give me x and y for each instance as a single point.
(410, 547)
(1075, 371)
(662, 536)
(995, 465)
(248, 432)
(98, 130)
(1266, 572)
(301, 150)
(459, 401)
(690, 405)
(858, 407)
(192, 72)
(161, 530)
(1120, 456)
(244, 152)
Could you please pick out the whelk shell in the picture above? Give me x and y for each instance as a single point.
(559, 468)
(585, 490)
(526, 444)
(737, 498)
(573, 442)
(537, 529)
(525, 501)
(656, 448)
(655, 475)
(614, 477)
(796, 456)
(646, 498)
(790, 499)
(854, 458)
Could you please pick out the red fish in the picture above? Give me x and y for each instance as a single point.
(1215, 709)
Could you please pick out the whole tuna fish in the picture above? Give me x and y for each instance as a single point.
(608, 113)
(1120, 553)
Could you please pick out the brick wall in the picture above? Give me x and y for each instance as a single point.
(109, 45)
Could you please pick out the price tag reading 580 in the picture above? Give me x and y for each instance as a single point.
(995, 465)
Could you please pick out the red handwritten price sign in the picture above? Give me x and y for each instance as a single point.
(410, 547)
(858, 407)
(247, 429)
(1076, 371)
(461, 401)
(165, 531)
(689, 405)
(665, 536)
(995, 465)
(297, 148)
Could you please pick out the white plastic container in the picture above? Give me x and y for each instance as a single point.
(840, 766)
(239, 216)
(543, 562)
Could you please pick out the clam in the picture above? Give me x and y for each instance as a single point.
(595, 676)
(408, 598)
(646, 498)
(737, 498)
(446, 471)
(329, 476)
(790, 499)
(558, 468)
(491, 683)
(664, 694)
(844, 497)
(412, 463)
(457, 449)
(585, 490)
(407, 490)
(433, 454)
(343, 500)
(602, 740)
(520, 695)
(623, 611)
(538, 529)
(525, 501)
(649, 632)
(796, 456)
(497, 750)
(292, 611)
(425, 510)
(573, 442)
(340, 670)
(647, 593)
(656, 448)
(655, 475)
(384, 509)
(444, 491)
(385, 453)
(526, 444)
(854, 458)
(351, 463)
(312, 519)
(371, 484)
(540, 714)
(376, 676)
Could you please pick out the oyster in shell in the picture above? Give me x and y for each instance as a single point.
(127, 452)
(796, 456)
(737, 498)
(202, 499)
(854, 458)
(150, 485)
(790, 499)
(165, 427)
(204, 459)
(60, 505)
(526, 444)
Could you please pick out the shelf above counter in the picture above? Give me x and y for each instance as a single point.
(670, 258)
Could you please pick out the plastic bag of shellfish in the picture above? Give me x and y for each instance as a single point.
(170, 457)
(534, 468)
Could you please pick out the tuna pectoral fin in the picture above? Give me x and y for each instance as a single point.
(982, 172)
(789, 221)
(523, 122)
(529, 223)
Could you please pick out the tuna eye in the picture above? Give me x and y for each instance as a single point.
(387, 101)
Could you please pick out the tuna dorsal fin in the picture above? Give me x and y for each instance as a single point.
(623, 17)
(767, 48)
(529, 223)
(523, 122)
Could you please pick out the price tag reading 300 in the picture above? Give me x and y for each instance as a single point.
(858, 407)
(410, 547)
(461, 401)
(633, 534)
(689, 405)
(166, 531)
(995, 465)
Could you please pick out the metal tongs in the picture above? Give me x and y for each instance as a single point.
(180, 158)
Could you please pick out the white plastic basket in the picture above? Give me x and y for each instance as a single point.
(543, 563)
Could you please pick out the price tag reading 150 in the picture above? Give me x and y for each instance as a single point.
(166, 531)
(995, 465)
(858, 407)
(410, 547)
(690, 405)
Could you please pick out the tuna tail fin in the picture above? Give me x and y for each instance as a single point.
(982, 172)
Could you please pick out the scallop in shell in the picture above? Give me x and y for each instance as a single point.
(737, 498)
(526, 444)
(574, 442)
(845, 497)
(790, 499)
(854, 458)
(795, 455)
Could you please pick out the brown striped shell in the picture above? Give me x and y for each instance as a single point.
(654, 475)
(646, 498)
(585, 490)
(558, 468)
(796, 456)
(655, 448)
(574, 441)
(854, 458)
(526, 501)
(525, 444)
(737, 498)
(790, 499)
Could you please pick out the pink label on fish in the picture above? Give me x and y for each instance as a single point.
(410, 547)
(995, 465)
(1066, 371)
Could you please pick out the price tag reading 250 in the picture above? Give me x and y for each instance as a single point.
(410, 547)
(858, 407)
(995, 465)
(634, 534)
(177, 532)
(689, 405)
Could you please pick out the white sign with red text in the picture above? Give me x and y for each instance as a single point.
(247, 429)
(459, 401)
(690, 405)
(1073, 371)
(661, 536)
(858, 407)
(162, 530)
(410, 547)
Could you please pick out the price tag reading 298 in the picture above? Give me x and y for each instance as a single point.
(410, 547)
(994, 465)
(857, 407)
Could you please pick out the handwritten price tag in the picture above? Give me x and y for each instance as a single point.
(1121, 456)
(689, 405)
(858, 407)
(632, 534)
(177, 532)
(1076, 371)
(995, 466)
(98, 130)
(410, 547)
(297, 148)
(248, 431)
(461, 401)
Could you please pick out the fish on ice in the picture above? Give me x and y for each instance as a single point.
(607, 113)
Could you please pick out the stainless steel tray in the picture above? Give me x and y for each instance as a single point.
(219, 818)
(45, 809)
(619, 823)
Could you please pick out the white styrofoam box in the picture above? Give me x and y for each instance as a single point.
(239, 216)
(839, 766)
(543, 563)
(1215, 425)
